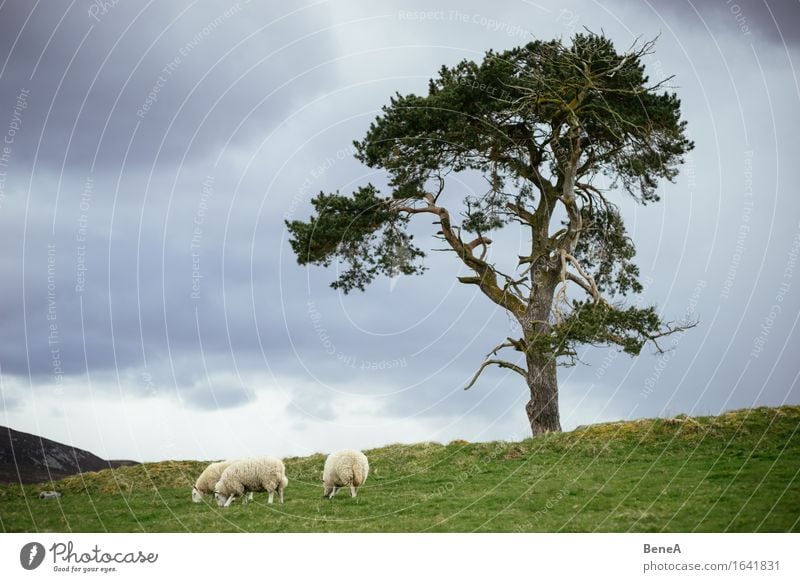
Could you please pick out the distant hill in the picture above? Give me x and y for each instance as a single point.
(27, 458)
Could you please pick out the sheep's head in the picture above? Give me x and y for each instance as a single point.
(197, 495)
(219, 497)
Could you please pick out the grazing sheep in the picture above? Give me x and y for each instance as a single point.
(343, 469)
(249, 475)
(208, 479)
(49, 495)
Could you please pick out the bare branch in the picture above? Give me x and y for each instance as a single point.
(480, 241)
(487, 276)
(469, 280)
(521, 212)
(593, 290)
(518, 345)
(415, 210)
(500, 363)
(583, 284)
(616, 69)
(670, 328)
(499, 347)
(519, 284)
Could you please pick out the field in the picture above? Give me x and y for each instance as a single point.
(739, 472)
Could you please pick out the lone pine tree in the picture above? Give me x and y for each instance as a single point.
(554, 129)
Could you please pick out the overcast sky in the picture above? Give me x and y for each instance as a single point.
(151, 308)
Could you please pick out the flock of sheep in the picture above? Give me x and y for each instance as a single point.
(228, 480)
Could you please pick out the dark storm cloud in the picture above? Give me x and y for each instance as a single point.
(135, 304)
(774, 21)
(94, 279)
(134, 307)
(148, 77)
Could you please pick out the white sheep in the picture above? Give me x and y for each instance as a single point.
(347, 468)
(208, 479)
(249, 475)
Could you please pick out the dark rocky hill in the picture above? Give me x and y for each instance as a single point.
(27, 458)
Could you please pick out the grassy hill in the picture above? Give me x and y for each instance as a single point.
(735, 472)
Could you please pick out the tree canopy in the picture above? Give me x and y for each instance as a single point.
(555, 130)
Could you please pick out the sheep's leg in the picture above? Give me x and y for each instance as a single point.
(250, 496)
(271, 493)
(229, 501)
(246, 497)
(280, 493)
(333, 492)
(353, 490)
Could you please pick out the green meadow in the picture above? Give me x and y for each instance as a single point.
(738, 472)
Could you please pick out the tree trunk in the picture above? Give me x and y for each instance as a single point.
(542, 379)
(542, 408)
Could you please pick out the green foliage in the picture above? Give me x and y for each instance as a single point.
(362, 232)
(483, 214)
(605, 251)
(501, 114)
(735, 472)
(599, 323)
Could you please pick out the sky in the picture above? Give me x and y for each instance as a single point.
(151, 307)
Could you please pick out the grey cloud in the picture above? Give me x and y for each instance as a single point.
(313, 405)
(155, 82)
(215, 396)
(755, 21)
(9, 401)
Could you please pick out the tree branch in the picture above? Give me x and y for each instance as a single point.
(415, 210)
(671, 328)
(521, 212)
(480, 241)
(592, 290)
(500, 363)
(583, 284)
(518, 345)
(487, 274)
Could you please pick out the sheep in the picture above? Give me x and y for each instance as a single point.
(249, 475)
(344, 468)
(49, 495)
(208, 479)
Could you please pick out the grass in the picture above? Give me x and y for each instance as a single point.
(739, 472)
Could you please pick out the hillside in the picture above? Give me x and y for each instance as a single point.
(27, 458)
(736, 472)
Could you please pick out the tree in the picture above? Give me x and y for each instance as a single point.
(554, 130)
